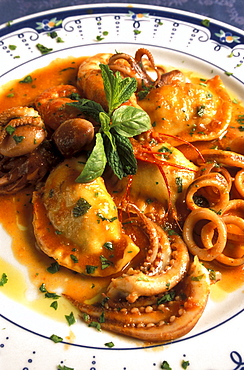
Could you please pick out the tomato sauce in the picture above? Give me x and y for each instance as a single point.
(16, 218)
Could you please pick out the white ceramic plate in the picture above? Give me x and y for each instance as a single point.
(175, 38)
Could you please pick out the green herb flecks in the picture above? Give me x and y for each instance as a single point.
(185, 364)
(54, 305)
(90, 269)
(27, 80)
(12, 47)
(165, 366)
(53, 268)
(10, 129)
(55, 338)
(18, 139)
(121, 122)
(205, 22)
(167, 297)
(43, 289)
(63, 367)
(70, 319)
(81, 208)
(105, 263)
(43, 49)
(4, 279)
(95, 324)
(179, 183)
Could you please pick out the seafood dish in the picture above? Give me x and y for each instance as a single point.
(135, 179)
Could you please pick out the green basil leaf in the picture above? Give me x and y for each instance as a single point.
(95, 164)
(130, 121)
(117, 89)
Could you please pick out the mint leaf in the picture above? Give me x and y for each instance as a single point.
(117, 89)
(86, 106)
(105, 127)
(130, 121)
(122, 160)
(95, 164)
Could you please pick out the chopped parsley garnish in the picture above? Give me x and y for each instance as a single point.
(178, 181)
(81, 207)
(167, 297)
(112, 219)
(26, 80)
(52, 295)
(10, 129)
(109, 344)
(55, 338)
(105, 262)
(63, 367)
(108, 245)
(90, 269)
(99, 38)
(53, 34)
(54, 305)
(95, 324)
(102, 317)
(12, 47)
(166, 151)
(165, 366)
(43, 49)
(70, 318)
(185, 364)
(48, 294)
(43, 288)
(205, 22)
(18, 139)
(4, 279)
(74, 258)
(53, 268)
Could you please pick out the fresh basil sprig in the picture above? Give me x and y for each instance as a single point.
(116, 127)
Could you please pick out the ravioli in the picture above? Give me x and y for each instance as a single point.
(188, 110)
(78, 225)
(149, 190)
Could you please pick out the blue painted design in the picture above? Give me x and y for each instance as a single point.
(48, 24)
(237, 359)
(227, 37)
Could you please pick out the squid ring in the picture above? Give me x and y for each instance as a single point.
(214, 181)
(213, 250)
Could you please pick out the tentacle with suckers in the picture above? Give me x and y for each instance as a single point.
(173, 315)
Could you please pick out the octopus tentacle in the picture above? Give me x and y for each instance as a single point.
(164, 321)
(136, 68)
(136, 283)
(158, 255)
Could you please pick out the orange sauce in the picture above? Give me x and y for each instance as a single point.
(16, 214)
